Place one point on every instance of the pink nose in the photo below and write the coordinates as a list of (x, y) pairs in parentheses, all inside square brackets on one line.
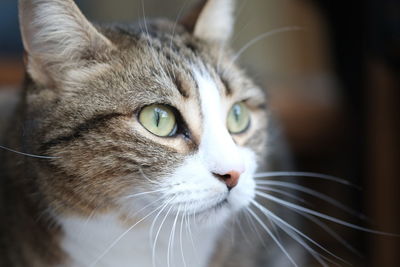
[(230, 178)]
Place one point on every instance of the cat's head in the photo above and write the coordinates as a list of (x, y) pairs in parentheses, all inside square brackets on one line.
[(142, 117)]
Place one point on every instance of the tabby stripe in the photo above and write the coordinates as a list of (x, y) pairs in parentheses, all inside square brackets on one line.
[(182, 90), (78, 131), (228, 90)]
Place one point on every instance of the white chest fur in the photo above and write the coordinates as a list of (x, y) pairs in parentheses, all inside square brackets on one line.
[(105, 242)]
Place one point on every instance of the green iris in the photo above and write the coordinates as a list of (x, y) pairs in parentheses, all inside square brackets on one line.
[(159, 120), (238, 118)]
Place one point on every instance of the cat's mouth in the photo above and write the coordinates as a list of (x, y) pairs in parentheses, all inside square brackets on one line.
[(214, 208)]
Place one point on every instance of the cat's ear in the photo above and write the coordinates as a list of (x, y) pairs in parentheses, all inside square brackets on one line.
[(57, 38), (211, 20)]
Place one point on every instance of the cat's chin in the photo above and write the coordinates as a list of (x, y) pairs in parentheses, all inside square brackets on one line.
[(222, 211), (238, 199), (213, 216)]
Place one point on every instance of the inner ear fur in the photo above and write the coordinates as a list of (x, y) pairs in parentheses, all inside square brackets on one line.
[(57, 37), (211, 20), (189, 21)]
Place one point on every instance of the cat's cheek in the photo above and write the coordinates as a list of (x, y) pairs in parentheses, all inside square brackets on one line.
[(241, 196), (192, 183)]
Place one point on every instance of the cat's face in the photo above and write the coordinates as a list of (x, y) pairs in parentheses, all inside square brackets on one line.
[(153, 117)]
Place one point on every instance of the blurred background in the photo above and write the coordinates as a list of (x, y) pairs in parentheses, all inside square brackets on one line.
[(334, 86)]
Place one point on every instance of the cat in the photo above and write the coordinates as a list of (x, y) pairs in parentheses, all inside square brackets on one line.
[(140, 145)]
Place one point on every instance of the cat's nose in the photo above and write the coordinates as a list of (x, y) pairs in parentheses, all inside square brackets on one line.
[(230, 178)]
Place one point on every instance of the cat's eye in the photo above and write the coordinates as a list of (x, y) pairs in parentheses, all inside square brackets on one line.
[(159, 120), (238, 120)]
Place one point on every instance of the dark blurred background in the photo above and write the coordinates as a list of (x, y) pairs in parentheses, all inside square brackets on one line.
[(334, 86)]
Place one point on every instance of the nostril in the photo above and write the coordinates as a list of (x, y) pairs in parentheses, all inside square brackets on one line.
[(231, 178)]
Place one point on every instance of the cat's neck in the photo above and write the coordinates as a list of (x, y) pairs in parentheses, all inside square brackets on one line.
[(30, 235), (105, 241)]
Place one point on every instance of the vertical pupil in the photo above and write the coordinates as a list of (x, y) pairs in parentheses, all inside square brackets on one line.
[(157, 116), (236, 112)]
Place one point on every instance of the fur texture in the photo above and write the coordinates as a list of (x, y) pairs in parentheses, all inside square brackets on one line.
[(107, 175)]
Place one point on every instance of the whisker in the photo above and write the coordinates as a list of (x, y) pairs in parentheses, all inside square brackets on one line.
[(279, 221), (250, 220), (146, 206), (236, 34), (272, 236), (329, 230), (153, 225), (157, 234), (242, 231), (305, 175), (194, 216), (147, 178), (323, 216), (263, 36), (155, 220), (144, 193), (178, 17), (153, 51), (314, 193), (189, 229), (120, 237), (172, 237), (88, 219), (284, 193), (316, 255), (180, 237), (27, 154)]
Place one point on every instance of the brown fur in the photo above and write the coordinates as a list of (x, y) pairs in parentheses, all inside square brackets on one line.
[(83, 112)]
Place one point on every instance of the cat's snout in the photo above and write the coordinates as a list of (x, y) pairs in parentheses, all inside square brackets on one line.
[(230, 178)]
